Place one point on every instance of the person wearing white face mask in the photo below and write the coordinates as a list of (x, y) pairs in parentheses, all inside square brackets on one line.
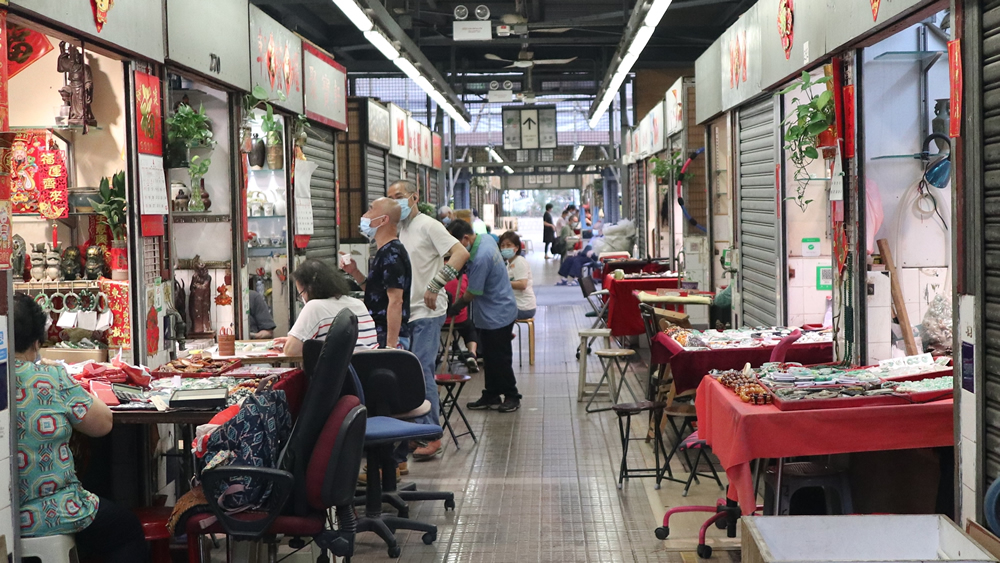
[(520, 275), (387, 287)]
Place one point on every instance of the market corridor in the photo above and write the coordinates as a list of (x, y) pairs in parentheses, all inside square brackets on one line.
[(541, 483)]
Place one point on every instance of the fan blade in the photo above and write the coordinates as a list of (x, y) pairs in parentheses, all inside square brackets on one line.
[(554, 61), (492, 57), (521, 64), (552, 30)]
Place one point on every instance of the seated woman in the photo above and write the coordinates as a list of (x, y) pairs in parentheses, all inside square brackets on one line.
[(464, 328), (52, 405), (324, 292), (519, 273)]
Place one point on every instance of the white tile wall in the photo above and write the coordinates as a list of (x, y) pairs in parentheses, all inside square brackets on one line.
[(806, 304), (879, 317)]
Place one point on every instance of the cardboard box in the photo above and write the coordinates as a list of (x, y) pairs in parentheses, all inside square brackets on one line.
[(673, 317), (856, 539), (71, 356)]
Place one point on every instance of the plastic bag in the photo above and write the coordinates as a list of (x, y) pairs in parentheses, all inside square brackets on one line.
[(937, 325)]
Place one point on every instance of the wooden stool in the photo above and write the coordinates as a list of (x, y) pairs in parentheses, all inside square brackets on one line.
[(612, 357), (50, 549), (531, 341), (586, 335)]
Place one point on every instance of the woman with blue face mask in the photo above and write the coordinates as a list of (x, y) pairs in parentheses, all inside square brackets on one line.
[(520, 274)]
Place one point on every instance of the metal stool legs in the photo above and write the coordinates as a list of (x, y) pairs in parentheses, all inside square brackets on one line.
[(625, 433), (449, 404), (609, 376)]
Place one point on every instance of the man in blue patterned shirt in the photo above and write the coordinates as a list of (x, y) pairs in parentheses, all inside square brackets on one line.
[(387, 288)]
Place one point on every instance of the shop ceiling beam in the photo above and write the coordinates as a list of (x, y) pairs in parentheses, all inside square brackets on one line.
[(565, 41), (537, 164), (408, 47)]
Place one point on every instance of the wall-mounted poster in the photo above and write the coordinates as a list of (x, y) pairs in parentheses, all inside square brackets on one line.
[(426, 157), (413, 140), (655, 128), (147, 108), (674, 107), (276, 60), (397, 119), (436, 155), (326, 88), (379, 128)]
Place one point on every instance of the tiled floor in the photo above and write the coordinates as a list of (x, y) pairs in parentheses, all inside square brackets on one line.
[(541, 483)]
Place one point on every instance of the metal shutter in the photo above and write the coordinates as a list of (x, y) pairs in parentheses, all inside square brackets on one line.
[(758, 225), (392, 172), (640, 191), (376, 184), (435, 185), (320, 149), (990, 217), (411, 175)]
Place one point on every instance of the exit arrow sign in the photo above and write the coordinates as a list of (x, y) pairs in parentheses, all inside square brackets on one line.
[(529, 123), (529, 129)]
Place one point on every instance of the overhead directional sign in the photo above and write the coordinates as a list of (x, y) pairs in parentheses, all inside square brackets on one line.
[(529, 127)]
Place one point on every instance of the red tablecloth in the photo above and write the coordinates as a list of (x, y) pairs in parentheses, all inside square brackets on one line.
[(690, 366), (634, 267), (623, 308), (740, 433)]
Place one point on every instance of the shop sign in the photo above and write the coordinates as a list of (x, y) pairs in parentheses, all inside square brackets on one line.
[(147, 108), (25, 46), (741, 60), (378, 125), (412, 139), (216, 43), (397, 119), (134, 25), (674, 107), (275, 61), (326, 88), (786, 26), (955, 84), (436, 151), (426, 157), (651, 132), (529, 127)]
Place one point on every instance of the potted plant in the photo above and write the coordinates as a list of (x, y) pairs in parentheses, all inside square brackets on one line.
[(273, 140), (255, 99), (665, 169), (807, 130), (113, 209), (187, 129), (300, 135), (197, 169)]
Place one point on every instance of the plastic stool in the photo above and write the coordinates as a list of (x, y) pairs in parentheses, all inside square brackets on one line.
[(802, 475), (50, 549), (587, 335), (154, 527), (531, 341)]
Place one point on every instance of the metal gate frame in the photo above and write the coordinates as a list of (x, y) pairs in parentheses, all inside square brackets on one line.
[(780, 252)]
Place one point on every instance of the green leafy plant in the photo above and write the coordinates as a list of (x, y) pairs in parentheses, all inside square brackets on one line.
[(256, 98), (665, 169), (198, 167), (271, 126), (814, 114), (113, 206), (427, 209), (187, 128)]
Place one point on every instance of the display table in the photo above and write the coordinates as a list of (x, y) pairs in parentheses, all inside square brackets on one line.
[(739, 433), (688, 367), (253, 358), (634, 267), (624, 318), (680, 297)]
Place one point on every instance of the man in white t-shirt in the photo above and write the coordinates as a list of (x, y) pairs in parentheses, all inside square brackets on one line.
[(427, 242)]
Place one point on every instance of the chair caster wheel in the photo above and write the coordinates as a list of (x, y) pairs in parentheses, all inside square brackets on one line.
[(323, 559), (704, 551), (722, 524), (663, 533), (449, 504), (395, 551), (429, 538)]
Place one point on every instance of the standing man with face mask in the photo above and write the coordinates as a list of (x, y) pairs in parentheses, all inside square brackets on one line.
[(427, 242), (387, 287)]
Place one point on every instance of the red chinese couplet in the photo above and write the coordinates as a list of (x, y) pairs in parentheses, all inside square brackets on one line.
[(152, 226), (849, 121), (955, 83), (149, 112), (6, 232), (25, 47)]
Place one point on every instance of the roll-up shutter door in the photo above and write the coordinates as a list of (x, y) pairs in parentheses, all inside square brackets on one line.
[(990, 213), (435, 184), (392, 172), (411, 175), (375, 160), (320, 149), (639, 192), (759, 226)]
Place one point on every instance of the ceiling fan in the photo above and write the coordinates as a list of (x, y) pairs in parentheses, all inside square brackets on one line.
[(525, 59)]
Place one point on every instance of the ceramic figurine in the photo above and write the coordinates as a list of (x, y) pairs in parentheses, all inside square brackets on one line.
[(200, 300), (95, 263), (258, 153), (52, 262), (79, 89), (72, 268), (38, 262), (18, 258)]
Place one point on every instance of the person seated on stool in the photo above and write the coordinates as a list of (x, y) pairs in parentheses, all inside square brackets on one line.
[(493, 314), (261, 322), (519, 273), (463, 324), (52, 405)]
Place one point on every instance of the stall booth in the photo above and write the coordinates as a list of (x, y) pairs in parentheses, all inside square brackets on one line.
[(363, 155), (649, 144), (399, 146), (268, 250), (316, 224), (202, 160)]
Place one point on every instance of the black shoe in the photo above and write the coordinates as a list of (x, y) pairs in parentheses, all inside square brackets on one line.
[(510, 404), (484, 402), (471, 364)]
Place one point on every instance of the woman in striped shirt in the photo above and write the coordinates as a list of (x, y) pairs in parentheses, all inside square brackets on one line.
[(324, 292)]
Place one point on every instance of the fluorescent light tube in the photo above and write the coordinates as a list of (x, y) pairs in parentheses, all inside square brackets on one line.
[(381, 43), (407, 67), (354, 13), (642, 37), (508, 169), (655, 13)]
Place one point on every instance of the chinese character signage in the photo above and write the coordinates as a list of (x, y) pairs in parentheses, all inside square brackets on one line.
[(38, 176), (436, 155), (426, 158), (741, 60), (412, 139), (25, 47), (326, 88), (276, 60), (674, 108), (379, 128), (397, 120), (147, 102)]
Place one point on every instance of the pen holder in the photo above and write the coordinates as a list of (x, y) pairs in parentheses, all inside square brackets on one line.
[(227, 344)]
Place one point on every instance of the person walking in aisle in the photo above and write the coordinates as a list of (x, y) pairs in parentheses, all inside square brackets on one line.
[(387, 287), (548, 230), (427, 242), (494, 311)]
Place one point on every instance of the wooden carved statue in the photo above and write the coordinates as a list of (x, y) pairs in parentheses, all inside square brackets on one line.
[(79, 89), (200, 299)]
